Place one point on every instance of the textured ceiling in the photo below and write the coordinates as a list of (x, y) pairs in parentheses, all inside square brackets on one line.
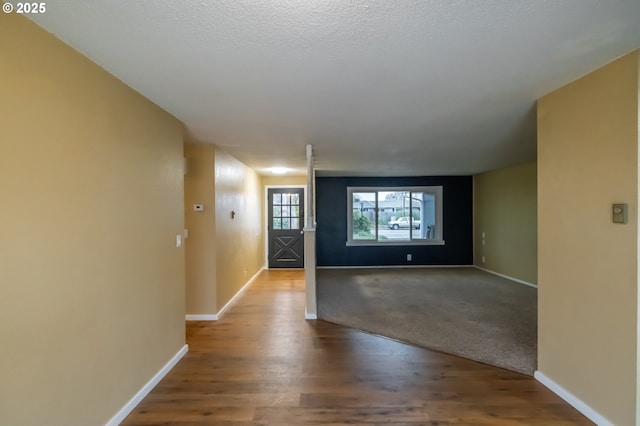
[(377, 87)]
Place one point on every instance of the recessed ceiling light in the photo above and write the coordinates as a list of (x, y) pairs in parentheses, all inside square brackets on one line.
[(278, 170)]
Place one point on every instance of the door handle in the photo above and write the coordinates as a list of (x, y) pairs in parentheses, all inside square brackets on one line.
[(301, 232)]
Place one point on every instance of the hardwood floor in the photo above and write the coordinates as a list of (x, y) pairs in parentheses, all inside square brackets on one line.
[(263, 364)]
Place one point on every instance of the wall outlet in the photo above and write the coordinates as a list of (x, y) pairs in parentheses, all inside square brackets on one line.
[(408, 258)]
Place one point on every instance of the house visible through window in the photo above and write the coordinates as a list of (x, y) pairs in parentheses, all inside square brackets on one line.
[(388, 216)]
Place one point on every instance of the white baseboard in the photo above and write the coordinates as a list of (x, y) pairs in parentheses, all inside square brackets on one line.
[(142, 393), (574, 401), (507, 277), (239, 293), (310, 316), (216, 317), (207, 317)]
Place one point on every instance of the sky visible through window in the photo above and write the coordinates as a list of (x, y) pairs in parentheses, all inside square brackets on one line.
[(371, 196)]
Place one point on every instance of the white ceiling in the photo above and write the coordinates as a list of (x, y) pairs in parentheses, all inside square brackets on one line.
[(424, 87)]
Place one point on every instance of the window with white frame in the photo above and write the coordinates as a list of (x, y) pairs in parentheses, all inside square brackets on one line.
[(394, 216)]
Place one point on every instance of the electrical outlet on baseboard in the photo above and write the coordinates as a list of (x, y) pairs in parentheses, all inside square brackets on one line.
[(408, 257)]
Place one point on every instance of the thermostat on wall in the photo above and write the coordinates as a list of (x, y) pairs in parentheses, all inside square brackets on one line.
[(198, 207)]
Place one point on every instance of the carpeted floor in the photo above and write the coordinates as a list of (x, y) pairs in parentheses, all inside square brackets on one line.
[(461, 311)]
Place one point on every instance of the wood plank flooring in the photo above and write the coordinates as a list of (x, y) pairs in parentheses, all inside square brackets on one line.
[(263, 364)]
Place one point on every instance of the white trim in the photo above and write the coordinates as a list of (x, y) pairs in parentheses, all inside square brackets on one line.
[(574, 401), (435, 190), (309, 212), (507, 277), (216, 317), (208, 317), (310, 316), (142, 393), (393, 266), (382, 243), (239, 293)]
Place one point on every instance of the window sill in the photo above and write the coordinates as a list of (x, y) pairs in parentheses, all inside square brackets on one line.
[(395, 243)]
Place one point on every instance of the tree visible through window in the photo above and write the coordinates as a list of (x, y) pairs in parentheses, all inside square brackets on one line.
[(409, 215)]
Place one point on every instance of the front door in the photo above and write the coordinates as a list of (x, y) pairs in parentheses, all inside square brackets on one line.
[(285, 236)]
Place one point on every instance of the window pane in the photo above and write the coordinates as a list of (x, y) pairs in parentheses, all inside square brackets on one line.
[(286, 223), (394, 220), (286, 211), (295, 211), (295, 198), (286, 198), (277, 198), (423, 207), (277, 223), (277, 211), (295, 223), (428, 224), (363, 228), (364, 216), (416, 214)]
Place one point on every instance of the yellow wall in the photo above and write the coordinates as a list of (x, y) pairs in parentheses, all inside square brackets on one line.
[(638, 272), (222, 253), (92, 284), (239, 240), (200, 247), (284, 180), (588, 275), (505, 206)]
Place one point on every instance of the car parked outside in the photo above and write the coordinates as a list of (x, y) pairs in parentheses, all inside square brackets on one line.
[(403, 223)]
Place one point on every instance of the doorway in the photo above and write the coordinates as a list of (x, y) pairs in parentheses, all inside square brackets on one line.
[(285, 223)]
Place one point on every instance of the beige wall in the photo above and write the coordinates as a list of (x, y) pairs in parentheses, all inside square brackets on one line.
[(222, 253), (239, 249), (638, 253), (200, 247), (92, 284), (505, 206), (588, 275), (284, 180)]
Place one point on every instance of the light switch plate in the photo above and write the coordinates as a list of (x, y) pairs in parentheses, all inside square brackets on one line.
[(619, 212)]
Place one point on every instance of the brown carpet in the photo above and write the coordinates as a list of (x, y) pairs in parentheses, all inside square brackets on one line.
[(461, 311)]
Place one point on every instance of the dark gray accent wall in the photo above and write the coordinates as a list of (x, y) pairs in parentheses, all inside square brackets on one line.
[(331, 216)]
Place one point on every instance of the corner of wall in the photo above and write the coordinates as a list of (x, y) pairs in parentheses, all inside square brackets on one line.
[(505, 222), (200, 246)]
